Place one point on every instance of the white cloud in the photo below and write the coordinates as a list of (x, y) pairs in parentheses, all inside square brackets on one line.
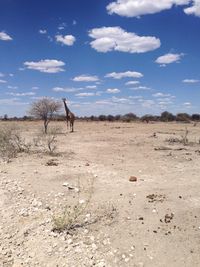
[(47, 65), (85, 78), (187, 104), (2, 75), (169, 58), (12, 87), (67, 90), (22, 94), (62, 26), (126, 74), (190, 81), (91, 86), (43, 31), (116, 39), (141, 88), (3, 81), (161, 95), (147, 103), (85, 94), (136, 97), (136, 8), (120, 100), (74, 22), (12, 102), (65, 39), (132, 83), (113, 91), (194, 9), (35, 88), (5, 37)]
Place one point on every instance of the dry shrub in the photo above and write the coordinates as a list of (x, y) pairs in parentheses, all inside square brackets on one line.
[(80, 214), (11, 142), (73, 215), (47, 142), (182, 140)]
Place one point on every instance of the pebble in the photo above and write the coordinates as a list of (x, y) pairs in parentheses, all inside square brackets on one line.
[(69, 241), (133, 179), (94, 246)]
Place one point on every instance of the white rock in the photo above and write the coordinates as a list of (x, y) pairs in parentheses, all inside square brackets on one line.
[(92, 238), (69, 241), (94, 246)]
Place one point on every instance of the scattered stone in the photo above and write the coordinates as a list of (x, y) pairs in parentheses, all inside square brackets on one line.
[(51, 162), (169, 217), (69, 241), (133, 179), (94, 246), (155, 198), (66, 184), (81, 201)]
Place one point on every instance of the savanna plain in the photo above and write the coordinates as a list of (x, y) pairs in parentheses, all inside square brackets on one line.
[(109, 194)]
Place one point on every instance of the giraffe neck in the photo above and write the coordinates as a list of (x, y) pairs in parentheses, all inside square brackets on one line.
[(66, 108)]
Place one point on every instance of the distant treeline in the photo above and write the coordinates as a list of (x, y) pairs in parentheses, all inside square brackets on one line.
[(129, 117)]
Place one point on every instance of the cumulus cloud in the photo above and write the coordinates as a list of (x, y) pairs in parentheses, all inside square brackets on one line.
[(147, 103), (136, 8), (113, 91), (169, 58), (86, 78), (62, 26), (116, 39), (65, 39), (187, 104), (126, 74), (190, 81), (120, 100), (194, 9), (91, 86), (5, 37), (161, 95), (12, 102), (141, 88), (12, 87), (3, 81), (43, 31), (132, 83), (67, 90), (47, 65), (22, 94), (85, 94), (2, 75)]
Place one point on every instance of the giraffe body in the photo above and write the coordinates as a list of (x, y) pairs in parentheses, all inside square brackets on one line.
[(70, 117)]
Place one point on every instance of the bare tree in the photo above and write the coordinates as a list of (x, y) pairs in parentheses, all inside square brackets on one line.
[(45, 109)]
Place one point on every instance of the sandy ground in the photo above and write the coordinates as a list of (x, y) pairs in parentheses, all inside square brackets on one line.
[(154, 221)]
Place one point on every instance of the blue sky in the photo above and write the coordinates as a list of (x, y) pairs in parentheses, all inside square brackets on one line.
[(105, 57)]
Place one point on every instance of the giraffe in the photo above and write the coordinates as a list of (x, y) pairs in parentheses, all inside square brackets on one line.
[(69, 115)]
